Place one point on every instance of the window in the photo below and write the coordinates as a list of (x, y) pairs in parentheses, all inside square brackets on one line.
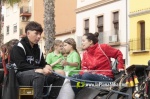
[(86, 26), (15, 28), (116, 16), (7, 29), (116, 23), (142, 35), (100, 23)]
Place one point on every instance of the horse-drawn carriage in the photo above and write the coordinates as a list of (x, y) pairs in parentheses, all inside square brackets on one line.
[(135, 80)]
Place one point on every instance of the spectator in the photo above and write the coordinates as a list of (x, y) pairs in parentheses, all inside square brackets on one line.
[(54, 58), (96, 65), (32, 68), (72, 63), (71, 66)]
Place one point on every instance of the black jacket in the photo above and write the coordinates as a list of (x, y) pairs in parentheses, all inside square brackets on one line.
[(26, 57)]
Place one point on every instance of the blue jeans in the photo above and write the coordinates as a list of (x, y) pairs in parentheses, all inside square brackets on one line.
[(37, 80), (90, 77)]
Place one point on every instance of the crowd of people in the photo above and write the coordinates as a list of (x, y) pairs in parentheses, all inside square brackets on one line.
[(35, 70)]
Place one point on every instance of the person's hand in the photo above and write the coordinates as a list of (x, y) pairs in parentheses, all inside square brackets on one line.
[(120, 70), (39, 71), (64, 62), (47, 69), (85, 71), (59, 60)]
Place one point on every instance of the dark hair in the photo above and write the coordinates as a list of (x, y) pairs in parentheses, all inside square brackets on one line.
[(93, 37), (7, 47), (11, 43), (4, 48), (33, 26)]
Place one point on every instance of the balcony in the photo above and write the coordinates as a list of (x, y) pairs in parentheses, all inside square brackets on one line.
[(110, 37), (25, 11), (138, 46)]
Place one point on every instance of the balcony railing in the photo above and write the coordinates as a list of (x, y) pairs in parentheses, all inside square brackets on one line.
[(25, 11), (136, 45)]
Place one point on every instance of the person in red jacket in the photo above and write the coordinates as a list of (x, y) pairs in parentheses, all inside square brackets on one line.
[(96, 57), (96, 64)]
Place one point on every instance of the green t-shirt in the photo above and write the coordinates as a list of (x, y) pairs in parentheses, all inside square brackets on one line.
[(52, 57), (72, 58)]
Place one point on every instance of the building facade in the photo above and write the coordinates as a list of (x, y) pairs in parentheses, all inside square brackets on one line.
[(65, 19), (108, 17), (2, 30), (139, 31), (17, 16)]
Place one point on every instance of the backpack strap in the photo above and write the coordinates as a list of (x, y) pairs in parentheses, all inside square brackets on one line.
[(104, 54)]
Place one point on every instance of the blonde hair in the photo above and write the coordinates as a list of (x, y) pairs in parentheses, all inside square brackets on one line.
[(56, 43)]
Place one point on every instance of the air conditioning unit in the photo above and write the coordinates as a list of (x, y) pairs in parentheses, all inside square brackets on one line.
[(24, 19), (112, 38)]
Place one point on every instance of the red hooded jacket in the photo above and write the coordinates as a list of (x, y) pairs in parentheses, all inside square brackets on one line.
[(94, 59)]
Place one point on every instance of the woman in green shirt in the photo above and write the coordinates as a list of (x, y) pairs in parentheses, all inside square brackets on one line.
[(72, 62)]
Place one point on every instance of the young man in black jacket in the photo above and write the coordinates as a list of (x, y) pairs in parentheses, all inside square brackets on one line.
[(32, 68)]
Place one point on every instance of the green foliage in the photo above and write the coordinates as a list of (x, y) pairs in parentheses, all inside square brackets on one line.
[(11, 2)]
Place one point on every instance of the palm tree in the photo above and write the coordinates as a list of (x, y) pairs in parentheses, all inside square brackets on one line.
[(11, 2), (49, 24)]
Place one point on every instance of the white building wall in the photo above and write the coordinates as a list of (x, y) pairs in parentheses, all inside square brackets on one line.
[(81, 3), (11, 17), (31, 5), (107, 11)]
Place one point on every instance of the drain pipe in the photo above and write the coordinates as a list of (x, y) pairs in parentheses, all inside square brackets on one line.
[(127, 45)]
